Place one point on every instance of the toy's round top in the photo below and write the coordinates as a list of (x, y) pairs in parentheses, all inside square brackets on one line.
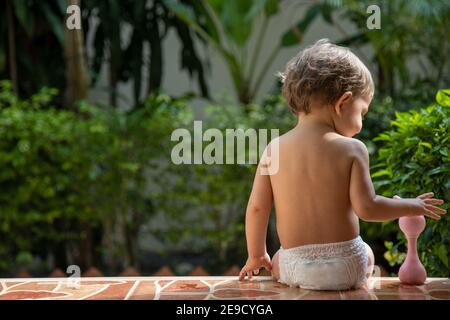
[(412, 226)]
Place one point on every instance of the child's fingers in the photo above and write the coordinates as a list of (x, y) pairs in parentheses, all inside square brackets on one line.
[(267, 265), (255, 272), (436, 209), (396, 197), (242, 273), (432, 215), (433, 201), (426, 195)]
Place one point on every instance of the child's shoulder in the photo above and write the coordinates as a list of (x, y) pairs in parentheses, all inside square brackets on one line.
[(353, 147), (348, 146)]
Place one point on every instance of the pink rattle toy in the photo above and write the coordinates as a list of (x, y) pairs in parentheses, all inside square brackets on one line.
[(412, 271)]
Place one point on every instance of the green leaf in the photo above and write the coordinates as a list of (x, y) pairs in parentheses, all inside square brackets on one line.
[(271, 7), (182, 10), (426, 144), (257, 7), (22, 13), (384, 172), (62, 6), (209, 23), (233, 18), (327, 11), (443, 97), (443, 254), (56, 23), (437, 170)]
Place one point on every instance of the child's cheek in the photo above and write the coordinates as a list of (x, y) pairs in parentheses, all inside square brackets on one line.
[(355, 125), (358, 125)]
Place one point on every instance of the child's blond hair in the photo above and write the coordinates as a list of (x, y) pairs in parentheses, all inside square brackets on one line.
[(325, 71)]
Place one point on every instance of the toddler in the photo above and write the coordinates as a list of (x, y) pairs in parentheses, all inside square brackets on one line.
[(322, 184)]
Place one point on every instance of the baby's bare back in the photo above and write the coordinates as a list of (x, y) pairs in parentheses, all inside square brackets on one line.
[(311, 188)]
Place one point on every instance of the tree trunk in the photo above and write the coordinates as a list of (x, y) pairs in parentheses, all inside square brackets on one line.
[(77, 80), (12, 47), (86, 246), (112, 84)]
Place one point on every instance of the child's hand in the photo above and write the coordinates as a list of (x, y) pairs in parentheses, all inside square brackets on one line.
[(253, 264), (424, 205)]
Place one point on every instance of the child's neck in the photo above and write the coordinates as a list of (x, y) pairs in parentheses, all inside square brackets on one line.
[(316, 119)]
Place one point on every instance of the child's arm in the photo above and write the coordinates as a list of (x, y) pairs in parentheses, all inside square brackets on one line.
[(256, 223), (371, 207)]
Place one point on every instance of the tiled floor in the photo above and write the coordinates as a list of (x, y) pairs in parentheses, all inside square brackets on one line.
[(193, 288)]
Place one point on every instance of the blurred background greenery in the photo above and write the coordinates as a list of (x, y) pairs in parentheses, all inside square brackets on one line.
[(91, 182)]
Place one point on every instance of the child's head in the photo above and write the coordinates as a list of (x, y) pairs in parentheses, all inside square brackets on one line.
[(331, 76)]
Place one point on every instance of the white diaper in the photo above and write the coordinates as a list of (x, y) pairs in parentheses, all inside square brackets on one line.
[(329, 266)]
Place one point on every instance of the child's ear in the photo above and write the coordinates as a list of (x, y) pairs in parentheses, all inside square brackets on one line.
[(346, 97)]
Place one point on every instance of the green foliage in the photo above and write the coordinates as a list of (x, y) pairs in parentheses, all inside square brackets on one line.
[(413, 159), (393, 256), (38, 38), (61, 171), (410, 31)]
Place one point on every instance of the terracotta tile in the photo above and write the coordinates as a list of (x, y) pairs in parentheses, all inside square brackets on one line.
[(242, 293), (183, 297), (163, 283), (79, 293), (359, 294), (437, 284), (187, 286), (224, 288), (386, 286), (292, 294), (113, 292), (102, 282), (406, 290), (246, 284), (272, 284), (382, 296), (322, 295), (439, 294), (10, 283), (19, 295), (214, 282), (145, 290), (45, 286)]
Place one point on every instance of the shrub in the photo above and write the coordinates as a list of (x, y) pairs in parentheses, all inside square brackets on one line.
[(69, 178), (413, 159)]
